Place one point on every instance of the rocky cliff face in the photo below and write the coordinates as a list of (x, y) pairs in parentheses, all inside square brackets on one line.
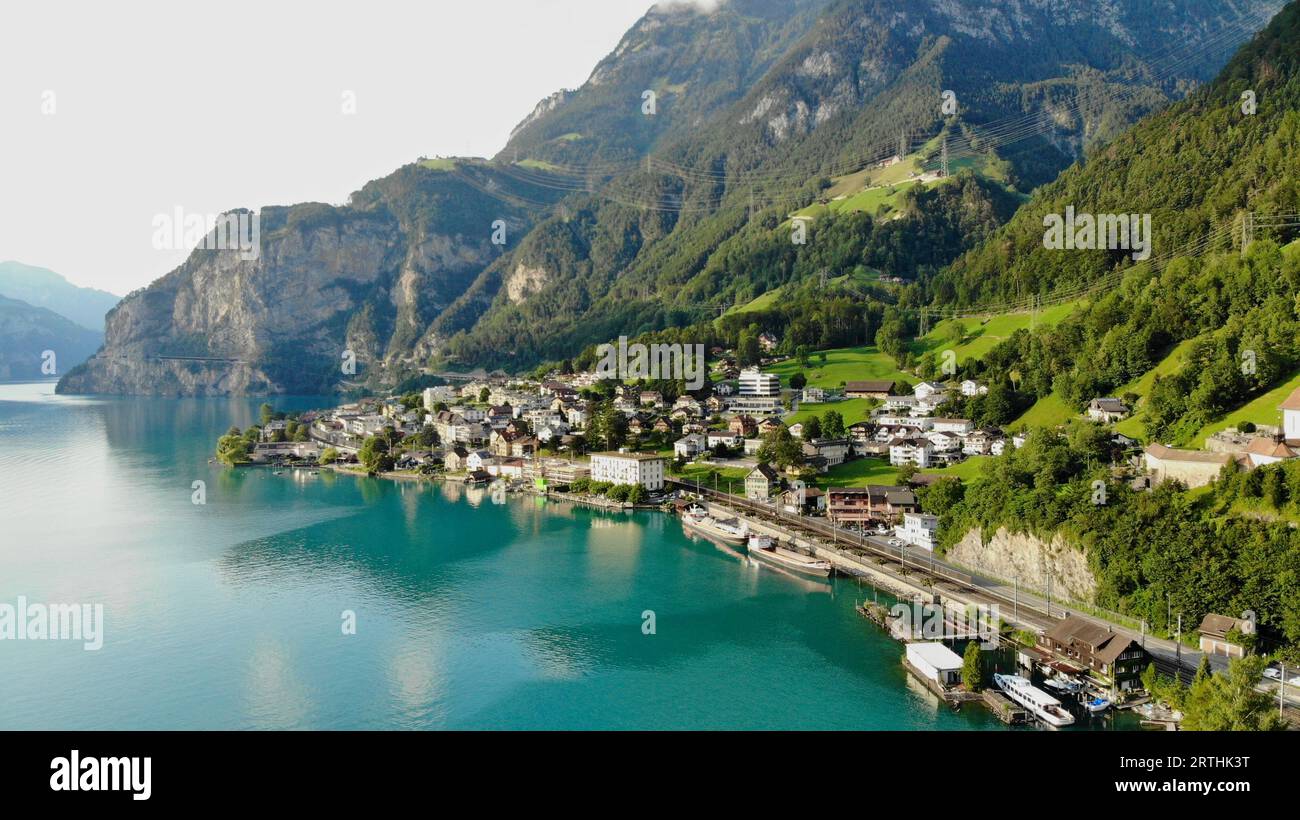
[(1031, 560), (330, 284)]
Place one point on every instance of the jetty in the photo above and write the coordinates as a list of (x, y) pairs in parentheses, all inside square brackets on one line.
[(1003, 709)]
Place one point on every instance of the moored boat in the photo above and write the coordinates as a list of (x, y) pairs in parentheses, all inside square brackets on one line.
[(1064, 685), (1039, 704), (764, 548), (1097, 705), (730, 531)]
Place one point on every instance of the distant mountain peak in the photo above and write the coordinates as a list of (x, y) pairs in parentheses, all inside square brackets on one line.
[(42, 287)]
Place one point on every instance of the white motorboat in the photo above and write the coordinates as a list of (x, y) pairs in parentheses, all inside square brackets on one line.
[(730, 531), (1096, 706), (1038, 703), (764, 548)]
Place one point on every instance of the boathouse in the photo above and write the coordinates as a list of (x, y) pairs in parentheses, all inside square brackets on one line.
[(936, 662)]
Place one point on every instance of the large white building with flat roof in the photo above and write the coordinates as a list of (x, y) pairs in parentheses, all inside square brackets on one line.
[(936, 662), (646, 469), (919, 530), (754, 382)]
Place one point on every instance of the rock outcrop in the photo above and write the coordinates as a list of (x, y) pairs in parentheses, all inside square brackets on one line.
[(1010, 556), (329, 284)]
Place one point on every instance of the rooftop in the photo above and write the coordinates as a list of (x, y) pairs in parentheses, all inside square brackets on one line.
[(936, 655), (631, 456)]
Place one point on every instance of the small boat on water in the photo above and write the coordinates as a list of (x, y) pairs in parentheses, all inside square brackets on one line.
[(1039, 704), (1096, 706), (729, 531), (1064, 685), (764, 548)]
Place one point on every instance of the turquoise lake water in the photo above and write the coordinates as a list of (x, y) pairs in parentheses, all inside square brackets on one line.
[(469, 615)]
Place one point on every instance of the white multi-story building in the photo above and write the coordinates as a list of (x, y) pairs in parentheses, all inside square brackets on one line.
[(453, 428), (754, 382), (959, 426), (925, 390), (896, 420), (919, 530), (473, 414), (577, 415), (646, 469), (443, 393), (726, 438), (945, 442), (910, 451), (691, 446)]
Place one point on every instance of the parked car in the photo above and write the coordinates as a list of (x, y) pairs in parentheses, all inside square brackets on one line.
[(1273, 673)]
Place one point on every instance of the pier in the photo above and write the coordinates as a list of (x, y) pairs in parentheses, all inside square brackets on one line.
[(1003, 709)]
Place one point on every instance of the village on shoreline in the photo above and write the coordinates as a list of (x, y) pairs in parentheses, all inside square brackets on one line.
[(638, 445)]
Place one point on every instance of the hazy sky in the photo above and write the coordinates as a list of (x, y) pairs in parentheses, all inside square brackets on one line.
[(211, 106)]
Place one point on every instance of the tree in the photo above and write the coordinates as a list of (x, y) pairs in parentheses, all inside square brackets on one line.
[(1202, 670), (375, 456), (942, 495), (972, 676), (483, 395), (832, 424), (619, 492), (748, 350), (266, 412), (1230, 702), (233, 448), (781, 449), (956, 332), (329, 456), (797, 381), (1150, 678), (812, 429)]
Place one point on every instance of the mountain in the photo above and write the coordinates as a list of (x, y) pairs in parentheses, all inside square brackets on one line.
[(1196, 167), (1197, 331), (28, 334), (47, 289), (620, 220), (1223, 325)]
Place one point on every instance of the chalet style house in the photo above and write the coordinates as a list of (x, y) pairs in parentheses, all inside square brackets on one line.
[(1108, 655)]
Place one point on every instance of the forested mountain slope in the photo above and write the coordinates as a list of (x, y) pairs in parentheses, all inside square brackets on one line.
[(620, 221)]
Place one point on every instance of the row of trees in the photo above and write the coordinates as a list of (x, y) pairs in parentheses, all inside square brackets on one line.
[(1228, 702), (631, 493)]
